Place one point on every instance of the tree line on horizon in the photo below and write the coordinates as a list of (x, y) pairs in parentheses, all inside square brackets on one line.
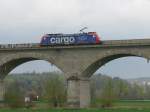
[(52, 89)]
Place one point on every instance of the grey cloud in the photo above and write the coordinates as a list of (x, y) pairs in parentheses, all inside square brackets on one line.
[(22, 20)]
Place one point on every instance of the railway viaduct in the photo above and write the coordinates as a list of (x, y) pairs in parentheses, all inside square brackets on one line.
[(78, 63)]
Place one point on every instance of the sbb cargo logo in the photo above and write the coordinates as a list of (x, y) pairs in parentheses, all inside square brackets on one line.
[(60, 40)]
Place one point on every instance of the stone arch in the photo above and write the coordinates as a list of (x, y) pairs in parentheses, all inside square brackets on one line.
[(8, 63), (91, 69)]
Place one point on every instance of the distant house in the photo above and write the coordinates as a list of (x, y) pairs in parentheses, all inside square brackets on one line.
[(31, 96), (27, 99)]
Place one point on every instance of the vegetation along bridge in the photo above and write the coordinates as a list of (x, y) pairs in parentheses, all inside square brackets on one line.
[(78, 63)]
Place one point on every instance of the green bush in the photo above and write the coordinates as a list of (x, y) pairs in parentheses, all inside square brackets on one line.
[(108, 96), (13, 96), (55, 91)]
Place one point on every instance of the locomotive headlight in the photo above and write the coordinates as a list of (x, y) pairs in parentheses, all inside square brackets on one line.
[(44, 38)]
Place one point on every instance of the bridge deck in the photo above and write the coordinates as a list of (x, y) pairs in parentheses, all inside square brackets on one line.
[(108, 43)]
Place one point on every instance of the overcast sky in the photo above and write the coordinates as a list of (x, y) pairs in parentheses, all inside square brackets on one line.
[(25, 21)]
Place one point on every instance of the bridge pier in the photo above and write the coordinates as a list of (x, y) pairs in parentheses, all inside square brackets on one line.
[(85, 97), (78, 93), (2, 90), (73, 99)]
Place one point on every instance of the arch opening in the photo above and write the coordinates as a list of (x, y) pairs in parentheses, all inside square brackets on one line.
[(129, 82), (36, 66), (34, 84), (10, 66), (100, 62)]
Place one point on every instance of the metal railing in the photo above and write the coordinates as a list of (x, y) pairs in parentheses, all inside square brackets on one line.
[(103, 44), (29, 45)]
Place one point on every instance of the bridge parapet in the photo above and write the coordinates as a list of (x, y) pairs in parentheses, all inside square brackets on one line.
[(106, 43), (126, 42)]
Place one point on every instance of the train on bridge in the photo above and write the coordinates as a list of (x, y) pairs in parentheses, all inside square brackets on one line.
[(70, 39), (89, 38)]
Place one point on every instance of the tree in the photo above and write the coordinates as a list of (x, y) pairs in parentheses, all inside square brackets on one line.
[(55, 90), (108, 95), (13, 96), (120, 88)]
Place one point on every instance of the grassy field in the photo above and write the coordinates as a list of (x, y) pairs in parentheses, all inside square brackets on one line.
[(120, 106), (82, 110), (133, 104)]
